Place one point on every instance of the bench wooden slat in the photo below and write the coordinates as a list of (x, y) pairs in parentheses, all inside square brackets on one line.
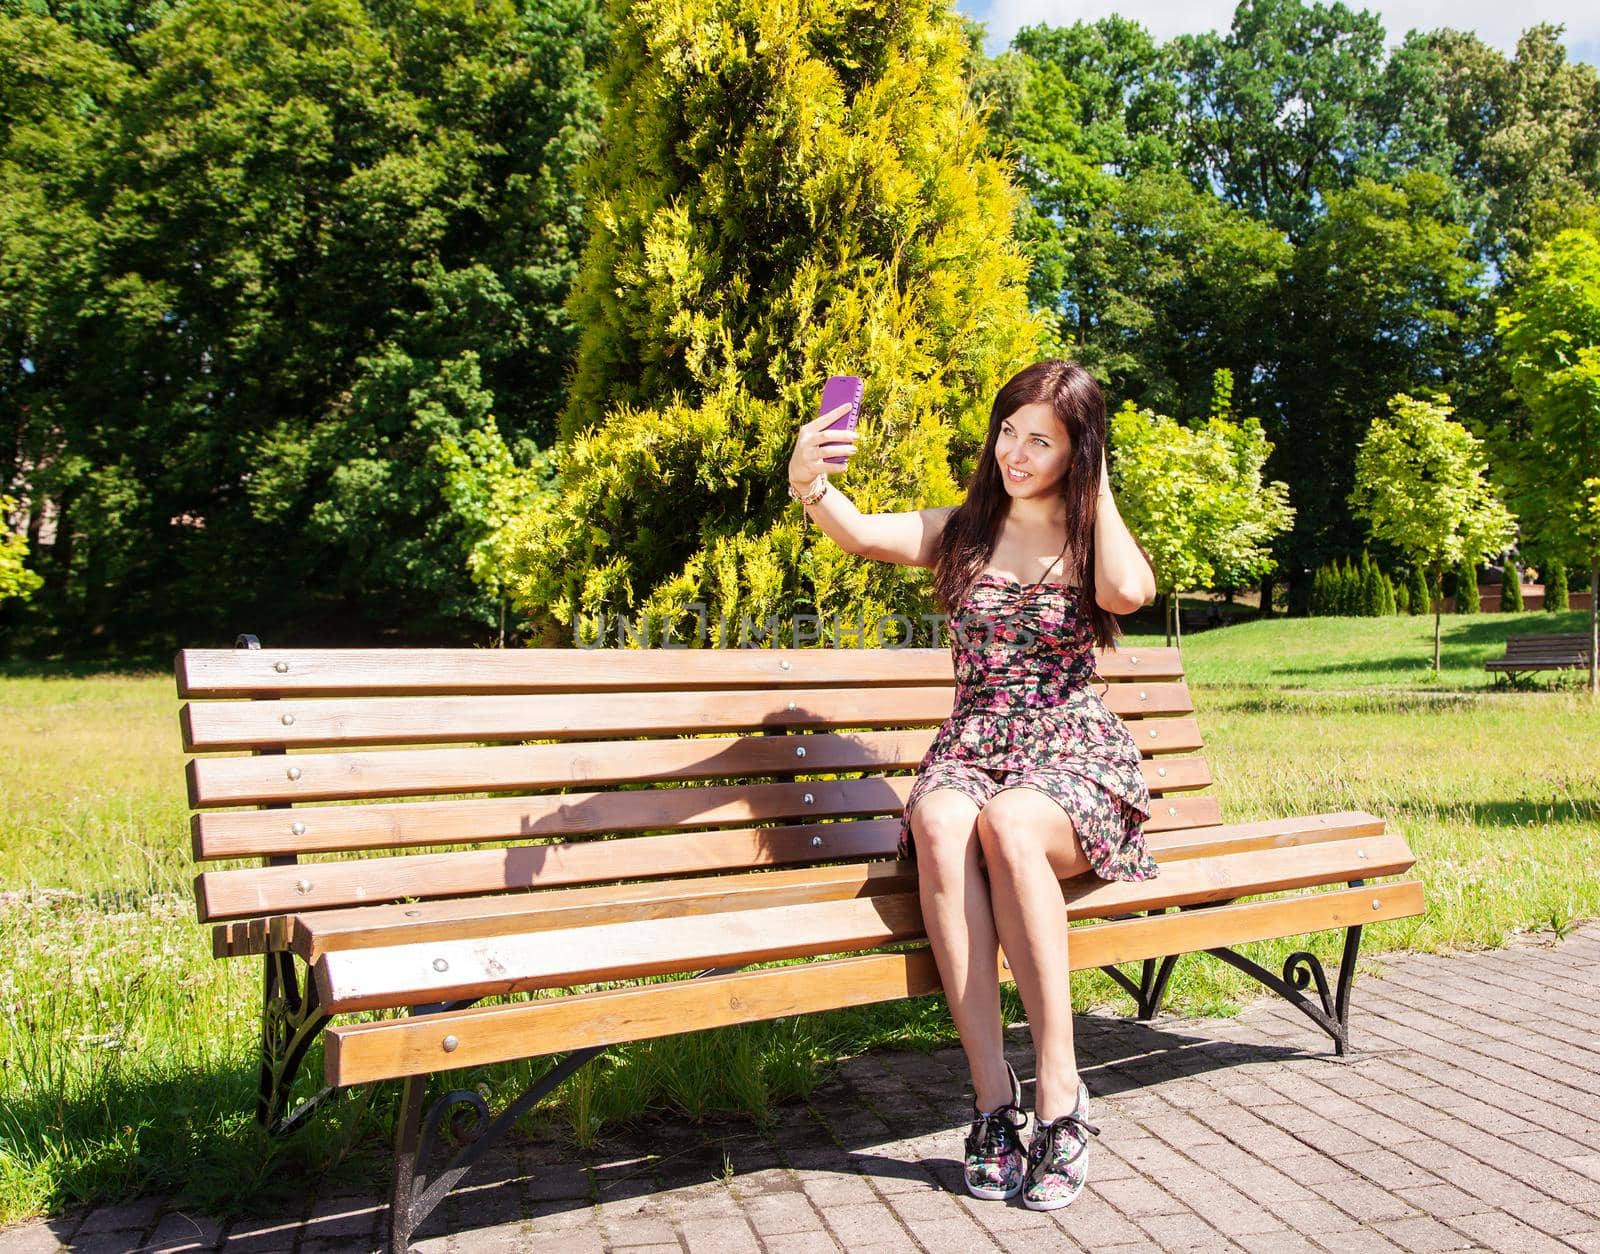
[(308, 777), (398, 975), (314, 934), (416, 720), (358, 1053), (318, 933), (1553, 651), (326, 672), (322, 885), (412, 824), (878, 838)]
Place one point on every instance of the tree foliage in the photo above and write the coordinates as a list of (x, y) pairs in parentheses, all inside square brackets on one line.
[(1196, 498), (308, 242), (1552, 338), (16, 580), (779, 194), (1422, 485)]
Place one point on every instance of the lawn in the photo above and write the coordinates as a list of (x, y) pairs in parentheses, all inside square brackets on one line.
[(126, 1057)]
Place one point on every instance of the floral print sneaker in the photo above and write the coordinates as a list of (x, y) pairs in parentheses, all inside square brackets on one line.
[(1058, 1157), (995, 1161)]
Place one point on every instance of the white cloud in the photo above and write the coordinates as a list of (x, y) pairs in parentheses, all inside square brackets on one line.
[(1496, 23)]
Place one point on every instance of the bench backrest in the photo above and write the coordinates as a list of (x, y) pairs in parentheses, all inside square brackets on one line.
[(425, 773), (1547, 642)]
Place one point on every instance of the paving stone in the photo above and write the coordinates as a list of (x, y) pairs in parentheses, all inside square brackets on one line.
[(731, 1234), (862, 1223), (1500, 1231), (1463, 1120), (817, 1242), (1183, 1232), (1556, 1218), (30, 1238), (1422, 1235), (774, 1214), (109, 1242), (182, 1233), (343, 1217), (1095, 1224), (137, 1215), (1139, 1196), (1442, 1201), (268, 1237), (953, 1234)]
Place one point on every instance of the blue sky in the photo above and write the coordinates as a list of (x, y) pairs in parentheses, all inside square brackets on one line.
[(1496, 22)]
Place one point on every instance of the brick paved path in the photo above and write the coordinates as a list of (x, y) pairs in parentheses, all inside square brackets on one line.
[(1469, 1118)]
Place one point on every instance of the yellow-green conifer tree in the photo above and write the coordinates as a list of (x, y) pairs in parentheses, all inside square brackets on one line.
[(781, 193)]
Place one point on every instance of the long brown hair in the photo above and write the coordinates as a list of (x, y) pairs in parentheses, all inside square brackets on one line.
[(968, 539)]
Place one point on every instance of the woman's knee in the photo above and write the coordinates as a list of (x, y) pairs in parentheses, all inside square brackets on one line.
[(943, 824), (1008, 836)]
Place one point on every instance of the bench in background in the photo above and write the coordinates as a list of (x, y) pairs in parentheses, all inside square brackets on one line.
[(1552, 651)]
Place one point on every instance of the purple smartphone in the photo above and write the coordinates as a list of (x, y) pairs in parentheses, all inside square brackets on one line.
[(835, 392)]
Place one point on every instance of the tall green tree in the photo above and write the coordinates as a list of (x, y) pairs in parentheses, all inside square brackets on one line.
[(1296, 100), (313, 241), (780, 194), (1551, 333), (1384, 297), (1522, 130), (1076, 108), (1422, 485)]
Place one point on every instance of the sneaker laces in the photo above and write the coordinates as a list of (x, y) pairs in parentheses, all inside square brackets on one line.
[(995, 1133), (1046, 1134)]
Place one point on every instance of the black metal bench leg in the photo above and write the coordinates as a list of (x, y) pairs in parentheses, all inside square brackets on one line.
[(291, 1021), (408, 1129), (1151, 989), (414, 1196), (1301, 971)]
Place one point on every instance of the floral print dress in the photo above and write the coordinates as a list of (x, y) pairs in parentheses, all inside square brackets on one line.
[(1026, 712)]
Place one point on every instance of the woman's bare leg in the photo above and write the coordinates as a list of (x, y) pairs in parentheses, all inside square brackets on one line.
[(955, 909), (1029, 844)]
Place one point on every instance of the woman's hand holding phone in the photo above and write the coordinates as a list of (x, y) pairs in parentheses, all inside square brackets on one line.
[(815, 445)]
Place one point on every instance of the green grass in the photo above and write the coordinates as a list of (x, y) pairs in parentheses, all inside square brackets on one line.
[(127, 1052), (1344, 654)]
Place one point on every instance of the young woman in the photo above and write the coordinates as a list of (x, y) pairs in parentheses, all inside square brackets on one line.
[(1031, 780)]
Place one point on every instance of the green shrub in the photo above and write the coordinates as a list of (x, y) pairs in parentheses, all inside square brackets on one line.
[(1511, 590), (1421, 601), (1555, 589), (1467, 589)]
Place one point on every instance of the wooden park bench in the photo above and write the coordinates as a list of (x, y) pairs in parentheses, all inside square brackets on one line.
[(1551, 651), (640, 813)]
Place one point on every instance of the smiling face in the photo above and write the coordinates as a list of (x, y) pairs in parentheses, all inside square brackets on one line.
[(1032, 441)]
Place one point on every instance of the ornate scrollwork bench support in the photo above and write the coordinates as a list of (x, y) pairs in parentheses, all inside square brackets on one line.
[(1301, 971), (414, 1195), (1331, 1011), (291, 1021)]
